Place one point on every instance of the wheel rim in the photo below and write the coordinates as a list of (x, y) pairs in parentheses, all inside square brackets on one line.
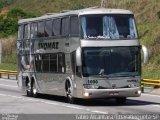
[(69, 93), (29, 90)]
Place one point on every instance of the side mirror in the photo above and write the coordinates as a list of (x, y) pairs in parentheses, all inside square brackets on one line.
[(78, 57), (145, 52)]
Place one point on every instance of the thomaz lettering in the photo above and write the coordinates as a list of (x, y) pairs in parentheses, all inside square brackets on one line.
[(49, 45)]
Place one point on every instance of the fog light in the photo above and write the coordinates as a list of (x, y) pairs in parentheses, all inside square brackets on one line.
[(138, 92), (86, 94)]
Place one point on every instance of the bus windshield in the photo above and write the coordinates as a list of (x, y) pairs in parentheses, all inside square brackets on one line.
[(111, 61), (108, 27)]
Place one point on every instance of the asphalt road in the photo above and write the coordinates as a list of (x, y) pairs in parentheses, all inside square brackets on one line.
[(14, 105)]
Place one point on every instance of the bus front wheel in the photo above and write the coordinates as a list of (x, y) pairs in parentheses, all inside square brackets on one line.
[(70, 98)]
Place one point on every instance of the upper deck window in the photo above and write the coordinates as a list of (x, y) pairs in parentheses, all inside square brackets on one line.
[(65, 26), (26, 31), (20, 32), (74, 26), (56, 27), (48, 28), (33, 30), (40, 32), (108, 27)]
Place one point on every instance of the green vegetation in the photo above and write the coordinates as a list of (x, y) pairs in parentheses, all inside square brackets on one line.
[(41, 7), (8, 23), (7, 66), (8, 26), (4, 3), (158, 14), (18, 13), (147, 14)]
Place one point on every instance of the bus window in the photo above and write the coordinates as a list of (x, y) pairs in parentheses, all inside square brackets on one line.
[(74, 25), (56, 27), (53, 63), (113, 27), (26, 46), (20, 32), (65, 26), (40, 32), (33, 30), (38, 63), (61, 63), (48, 28), (45, 62), (26, 31)]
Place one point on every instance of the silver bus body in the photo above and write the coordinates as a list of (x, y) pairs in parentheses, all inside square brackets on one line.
[(57, 63)]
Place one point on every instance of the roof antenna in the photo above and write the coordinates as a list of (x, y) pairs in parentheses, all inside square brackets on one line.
[(102, 3)]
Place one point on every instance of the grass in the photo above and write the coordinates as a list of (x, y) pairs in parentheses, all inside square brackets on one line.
[(50, 6), (150, 36), (7, 66)]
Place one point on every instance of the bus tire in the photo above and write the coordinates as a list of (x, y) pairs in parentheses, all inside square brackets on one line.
[(121, 100), (69, 88)]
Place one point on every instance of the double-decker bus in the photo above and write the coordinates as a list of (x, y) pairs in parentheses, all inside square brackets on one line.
[(88, 53)]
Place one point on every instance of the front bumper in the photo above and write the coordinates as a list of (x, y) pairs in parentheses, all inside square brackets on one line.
[(111, 93)]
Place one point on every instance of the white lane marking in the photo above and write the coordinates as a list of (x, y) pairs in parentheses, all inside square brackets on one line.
[(8, 80), (100, 112), (74, 107), (8, 85), (56, 104), (152, 105), (51, 103), (3, 95), (150, 95)]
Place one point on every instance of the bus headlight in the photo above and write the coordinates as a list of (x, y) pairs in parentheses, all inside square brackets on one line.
[(90, 86), (86, 94), (138, 92)]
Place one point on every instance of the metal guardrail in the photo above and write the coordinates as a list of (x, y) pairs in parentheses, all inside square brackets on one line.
[(150, 82), (8, 73), (143, 82)]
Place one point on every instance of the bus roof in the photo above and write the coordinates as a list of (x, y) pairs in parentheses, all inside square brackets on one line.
[(87, 11)]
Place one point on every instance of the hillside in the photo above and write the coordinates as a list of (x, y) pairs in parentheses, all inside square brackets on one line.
[(147, 14)]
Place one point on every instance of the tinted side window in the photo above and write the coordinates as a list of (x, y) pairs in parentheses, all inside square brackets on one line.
[(26, 31), (38, 63), (65, 26), (40, 29), (48, 28), (53, 62), (61, 63), (50, 62), (45, 62), (33, 30), (20, 32), (74, 25), (56, 27)]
